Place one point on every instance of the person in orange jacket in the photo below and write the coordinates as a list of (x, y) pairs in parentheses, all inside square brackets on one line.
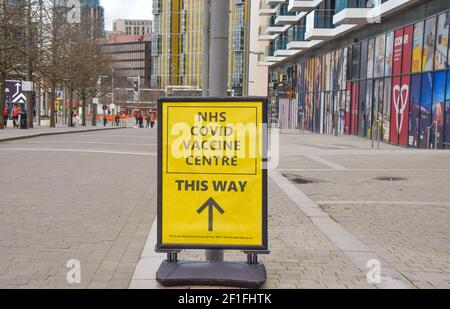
[(5, 115), (15, 116)]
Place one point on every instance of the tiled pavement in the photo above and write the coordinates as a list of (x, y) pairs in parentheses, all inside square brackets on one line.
[(99, 208)]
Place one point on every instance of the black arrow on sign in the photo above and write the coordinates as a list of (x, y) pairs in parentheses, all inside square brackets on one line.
[(211, 204)]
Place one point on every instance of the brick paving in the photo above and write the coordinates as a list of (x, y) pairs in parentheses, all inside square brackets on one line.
[(99, 208), (85, 206)]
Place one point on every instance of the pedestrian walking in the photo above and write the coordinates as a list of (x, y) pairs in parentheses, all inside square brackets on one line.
[(148, 120), (117, 120), (136, 116), (23, 119), (152, 121), (141, 121), (15, 116), (5, 115), (105, 120)]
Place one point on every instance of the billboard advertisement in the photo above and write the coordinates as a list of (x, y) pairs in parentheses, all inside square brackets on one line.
[(15, 95)]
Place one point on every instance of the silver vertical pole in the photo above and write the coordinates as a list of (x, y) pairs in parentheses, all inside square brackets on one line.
[(218, 58), (218, 69), (206, 38)]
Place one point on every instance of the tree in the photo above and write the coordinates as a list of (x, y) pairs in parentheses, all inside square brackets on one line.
[(12, 42), (87, 63)]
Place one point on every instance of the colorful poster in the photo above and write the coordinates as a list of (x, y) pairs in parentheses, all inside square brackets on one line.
[(414, 111), (425, 109), (387, 109), (407, 49), (362, 128), (389, 53), (377, 109), (370, 58), (447, 114), (398, 107), (398, 49), (403, 107), (356, 57), (355, 107), (440, 58), (348, 108), (417, 48), (437, 130), (368, 109), (429, 44), (343, 72), (380, 49)]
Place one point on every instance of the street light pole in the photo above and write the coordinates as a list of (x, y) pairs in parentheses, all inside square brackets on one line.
[(206, 38), (218, 69)]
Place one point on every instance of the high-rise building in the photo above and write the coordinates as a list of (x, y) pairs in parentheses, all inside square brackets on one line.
[(178, 43), (88, 15), (130, 57), (132, 26), (377, 69)]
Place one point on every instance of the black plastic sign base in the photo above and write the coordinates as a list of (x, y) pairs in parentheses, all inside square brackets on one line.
[(231, 274)]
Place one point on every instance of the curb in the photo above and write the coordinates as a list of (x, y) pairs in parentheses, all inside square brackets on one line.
[(14, 138)]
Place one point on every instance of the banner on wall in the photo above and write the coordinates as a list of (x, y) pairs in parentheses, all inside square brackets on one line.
[(417, 47), (348, 102), (401, 86), (354, 109)]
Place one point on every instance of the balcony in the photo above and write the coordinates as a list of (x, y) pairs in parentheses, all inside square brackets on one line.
[(363, 12), (266, 9), (320, 26), (273, 28), (282, 43), (386, 8), (352, 12), (303, 6), (284, 17), (269, 55), (275, 2), (265, 35)]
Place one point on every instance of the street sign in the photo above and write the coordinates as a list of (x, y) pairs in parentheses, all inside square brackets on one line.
[(212, 185), (27, 86)]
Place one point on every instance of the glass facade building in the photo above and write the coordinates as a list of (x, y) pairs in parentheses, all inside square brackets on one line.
[(177, 47), (391, 85)]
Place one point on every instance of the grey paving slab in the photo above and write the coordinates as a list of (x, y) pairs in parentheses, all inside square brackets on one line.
[(93, 207)]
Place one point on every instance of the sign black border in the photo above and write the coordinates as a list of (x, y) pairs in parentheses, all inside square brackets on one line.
[(168, 247)]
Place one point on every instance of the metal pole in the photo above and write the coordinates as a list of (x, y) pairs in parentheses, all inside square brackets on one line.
[(218, 69), (206, 38), (218, 58)]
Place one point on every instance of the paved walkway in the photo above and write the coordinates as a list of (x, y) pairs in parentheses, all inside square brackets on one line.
[(335, 209), (75, 196), (10, 134)]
